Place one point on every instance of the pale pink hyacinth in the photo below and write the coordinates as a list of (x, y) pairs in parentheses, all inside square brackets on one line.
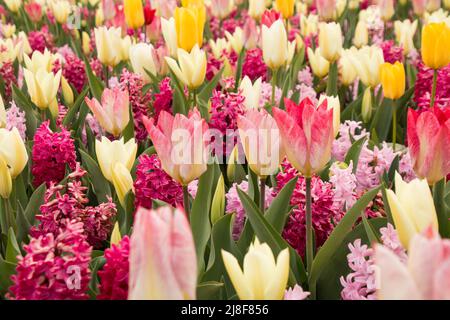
[(344, 185), (296, 293), (307, 92), (305, 77), (15, 118), (266, 94)]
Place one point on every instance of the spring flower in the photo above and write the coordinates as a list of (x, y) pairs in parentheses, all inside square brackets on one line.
[(66, 91), (347, 71), (319, 65), (436, 45), (2, 113), (181, 144), (34, 11), (13, 151), (254, 66), (263, 277), (169, 33), (61, 10), (277, 50), (5, 179), (286, 7), (423, 277), (134, 13), (73, 71), (221, 8), (251, 92), (111, 47), (189, 23), (42, 87), (392, 78), (367, 63), (326, 9), (428, 140), (333, 104), (236, 40), (412, 208), (361, 37), (296, 293), (163, 264), (256, 8), (13, 5), (191, 67), (404, 34), (419, 6), (113, 113), (141, 58), (330, 40), (122, 181), (307, 134)]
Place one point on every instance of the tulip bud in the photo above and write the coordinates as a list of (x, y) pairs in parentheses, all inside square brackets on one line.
[(221, 8), (39, 60), (99, 17), (218, 202), (13, 151), (191, 68), (232, 161), (42, 87), (141, 58), (330, 40), (392, 78), (286, 7), (122, 181), (361, 37), (436, 45), (404, 34), (277, 50), (134, 13), (67, 91), (116, 237), (189, 23), (61, 9), (366, 108), (386, 9), (2, 113), (256, 8), (367, 61), (319, 65), (86, 43), (236, 39), (333, 104), (111, 47), (170, 35), (5, 180), (346, 69), (251, 92)]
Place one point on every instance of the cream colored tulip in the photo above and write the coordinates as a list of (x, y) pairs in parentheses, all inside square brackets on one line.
[(277, 50), (109, 153), (141, 58), (309, 24), (236, 39), (169, 33), (99, 17), (24, 45), (347, 71), (2, 113), (404, 34), (110, 47), (366, 107), (330, 40), (86, 43), (412, 208), (8, 30), (361, 37), (61, 9), (10, 50), (221, 8), (66, 91), (256, 8), (42, 87), (13, 5), (122, 181), (262, 278), (191, 67), (334, 104), (367, 63), (319, 65), (5, 180), (13, 151), (218, 46), (251, 92), (39, 60)]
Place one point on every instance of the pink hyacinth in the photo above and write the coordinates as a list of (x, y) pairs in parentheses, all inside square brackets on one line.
[(52, 152), (347, 131), (344, 185), (423, 85), (266, 94), (163, 99), (296, 293), (153, 183), (391, 52), (73, 71), (114, 274), (254, 66), (15, 118), (8, 76), (305, 77), (41, 39), (54, 267)]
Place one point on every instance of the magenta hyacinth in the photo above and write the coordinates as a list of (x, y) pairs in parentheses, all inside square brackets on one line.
[(73, 71), (163, 99), (391, 52), (52, 152), (254, 66), (114, 274), (422, 89), (54, 267), (8, 75)]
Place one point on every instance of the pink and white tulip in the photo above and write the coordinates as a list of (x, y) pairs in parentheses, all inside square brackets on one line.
[(163, 263)]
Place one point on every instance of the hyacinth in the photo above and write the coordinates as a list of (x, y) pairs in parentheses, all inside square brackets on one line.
[(66, 203), (344, 185), (254, 66), (52, 152), (15, 118), (296, 293), (40, 39), (325, 210), (229, 24), (8, 77), (360, 283), (114, 274), (391, 52), (348, 130), (424, 83), (306, 92), (266, 95), (73, 71), (54, 267), (305, 77), (163, 99), (139, 101), (212, 67), (153, 183), (234, 205)]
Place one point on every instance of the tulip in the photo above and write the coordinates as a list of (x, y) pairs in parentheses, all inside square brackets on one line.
[(423, 277), (218, 202), (256, 8), (412, 208), (436, 45), (116, 237), (141, 57), (419, 7), (277, 50), (134, 13), (2, 113), (13, 5), (319, 65), (218, 47), (189, 23), (8, 30), (34, 11), (165, 8), (261, 140), (109, 153), (429, 140), (42, 87), (404, 34), (269, 17), (149, 13), (39, 60), (367, 63), (330, 40), (361, 37), (251, 35), (262, 278), (286, 7), (251, 92), (25, 48), (86, 43), (346, 69), (433, 5), (191, 67), (11, 50), (386, 9), (61, 9), (99, 17), (122, 181), (326, 9), (236, 40), (221, 8), (309, 25), (181, 144), (67, 91), (163, 263), (333, 104), (113, 113), (169, 32), (111, 48), (5, 180), (392, 78), (366, 107), (13, 151)]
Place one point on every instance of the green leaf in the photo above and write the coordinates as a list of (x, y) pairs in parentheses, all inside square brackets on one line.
[(36, 200), (23, 225), (354, 152), (371, 235), (12, 247), (7, 269), (128, 132), (71, 114), (209, 290), (95, 84), (441, 209), (101, 186), (205, 95), (332, 83), (239, 65), (180, 103), (26, 105), (352, 108)]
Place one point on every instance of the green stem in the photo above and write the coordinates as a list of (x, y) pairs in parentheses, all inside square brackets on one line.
[(262, 192), (106, 71), (194, 98), (433, 90), (186, 200), (309, 227), (394, 125), (274, 85), (7, 218), (332, 80)]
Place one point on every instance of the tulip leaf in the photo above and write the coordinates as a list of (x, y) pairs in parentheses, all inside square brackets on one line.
[(205, 94), (35, 202), (71, 114), (387, 209), (179, 103), (7, 269), (349, 112), (354, 152), (209, 290), (371, 235), (26, 105), (95, 84), (336, 238), (23, 225), (12, 247), (101, 186), (441, 209), (128, 132), (239, 66)]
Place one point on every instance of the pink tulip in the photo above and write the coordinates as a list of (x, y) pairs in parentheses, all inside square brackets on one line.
[(251, 36), (269, 17), (307, 134), (163, 264), (429, 143), (425, 276), (326, 9), (113, 113), (181, 143), (419, 6), (261, 140)]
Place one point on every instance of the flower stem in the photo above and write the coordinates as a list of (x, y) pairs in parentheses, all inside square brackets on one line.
[(262, 191), (433, 90), (186, 200), (274, 85), (394, 125), (309, 227)]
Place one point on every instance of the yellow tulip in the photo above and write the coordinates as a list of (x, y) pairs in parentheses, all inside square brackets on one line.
[(392, 77), (189, 23), (13, 151), (122, 181), (436, 45), (191, 67), (5, 180), (263, 278), (286, 7), (134, 13), (193, 3), (412, 208), (86, 43), (61, 10), (67, 91), (218, 202), (2, 113), (42, 87), (366, 107)]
